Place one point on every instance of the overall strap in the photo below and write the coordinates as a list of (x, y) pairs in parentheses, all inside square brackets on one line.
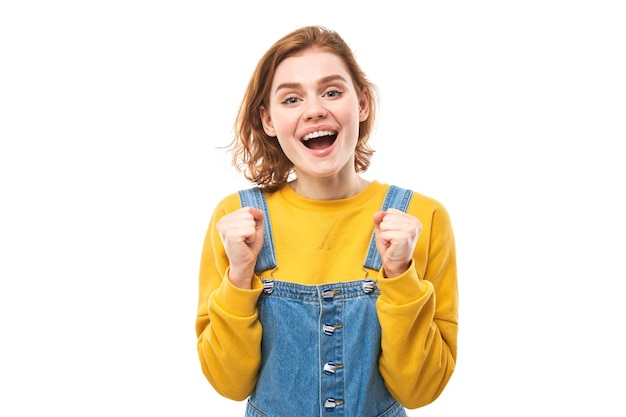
[(254, 197), (398, 198)]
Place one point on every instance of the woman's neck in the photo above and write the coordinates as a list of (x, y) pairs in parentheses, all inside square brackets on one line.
[(331, 188)]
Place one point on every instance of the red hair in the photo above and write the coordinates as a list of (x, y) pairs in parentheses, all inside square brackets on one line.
[(260, 158)]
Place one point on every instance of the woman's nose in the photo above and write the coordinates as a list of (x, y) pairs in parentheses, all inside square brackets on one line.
[(314, 110)]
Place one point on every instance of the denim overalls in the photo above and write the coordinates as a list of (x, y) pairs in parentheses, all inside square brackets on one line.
[(320, 343)]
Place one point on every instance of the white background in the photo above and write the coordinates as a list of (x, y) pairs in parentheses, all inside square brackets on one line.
[(511, 113)]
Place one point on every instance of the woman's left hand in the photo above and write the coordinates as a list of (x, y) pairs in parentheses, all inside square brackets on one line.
[(396, 237)]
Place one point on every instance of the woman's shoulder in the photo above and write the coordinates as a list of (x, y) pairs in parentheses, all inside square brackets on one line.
[(229, 203), (420, 202), (244, 196), (426, 200)]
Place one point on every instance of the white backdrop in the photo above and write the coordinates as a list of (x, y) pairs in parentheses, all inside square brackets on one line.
[(512, 114)]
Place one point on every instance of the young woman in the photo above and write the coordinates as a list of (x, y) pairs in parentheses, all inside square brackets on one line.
[(322, 293)]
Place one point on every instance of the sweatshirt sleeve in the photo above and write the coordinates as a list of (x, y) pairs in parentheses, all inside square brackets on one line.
[(227, 326), (418, 313)]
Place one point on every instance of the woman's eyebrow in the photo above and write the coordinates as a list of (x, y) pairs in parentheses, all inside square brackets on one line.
[(323, 80), (332, 78)]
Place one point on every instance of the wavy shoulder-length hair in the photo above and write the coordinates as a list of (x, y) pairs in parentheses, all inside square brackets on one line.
[(258, 156)]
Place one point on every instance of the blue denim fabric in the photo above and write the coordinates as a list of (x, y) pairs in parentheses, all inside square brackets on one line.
[(254, 197), (320, 343), (320, 352), (397, 198)]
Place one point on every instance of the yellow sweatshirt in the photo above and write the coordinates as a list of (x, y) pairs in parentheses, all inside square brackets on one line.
[(326, 241)]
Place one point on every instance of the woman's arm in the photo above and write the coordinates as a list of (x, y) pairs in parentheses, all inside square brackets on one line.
[(418, 312), (227, 326)]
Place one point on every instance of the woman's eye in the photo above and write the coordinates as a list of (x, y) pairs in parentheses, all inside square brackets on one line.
[(333, 93), (290, 100)]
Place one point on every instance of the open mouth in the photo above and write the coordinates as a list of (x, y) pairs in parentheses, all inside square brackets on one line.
[(319, 140)]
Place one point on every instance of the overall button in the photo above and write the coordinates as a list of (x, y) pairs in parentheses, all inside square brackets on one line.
[(329, 329), (331, 403), (328, 295), (369, 285), (330, 368), (268, 286)]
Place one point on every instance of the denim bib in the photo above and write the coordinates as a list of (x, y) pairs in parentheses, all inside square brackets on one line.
[(320, 343)]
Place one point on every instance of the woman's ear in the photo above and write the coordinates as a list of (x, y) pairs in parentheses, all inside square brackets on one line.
[(268, 126), (364, 105)]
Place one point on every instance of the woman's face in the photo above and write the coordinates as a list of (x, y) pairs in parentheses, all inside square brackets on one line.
[(314, 112)]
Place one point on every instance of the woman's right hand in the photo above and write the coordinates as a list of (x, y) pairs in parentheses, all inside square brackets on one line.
[(242, 235)]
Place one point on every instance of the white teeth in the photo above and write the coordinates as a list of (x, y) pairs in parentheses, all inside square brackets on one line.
[(318, 134)]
